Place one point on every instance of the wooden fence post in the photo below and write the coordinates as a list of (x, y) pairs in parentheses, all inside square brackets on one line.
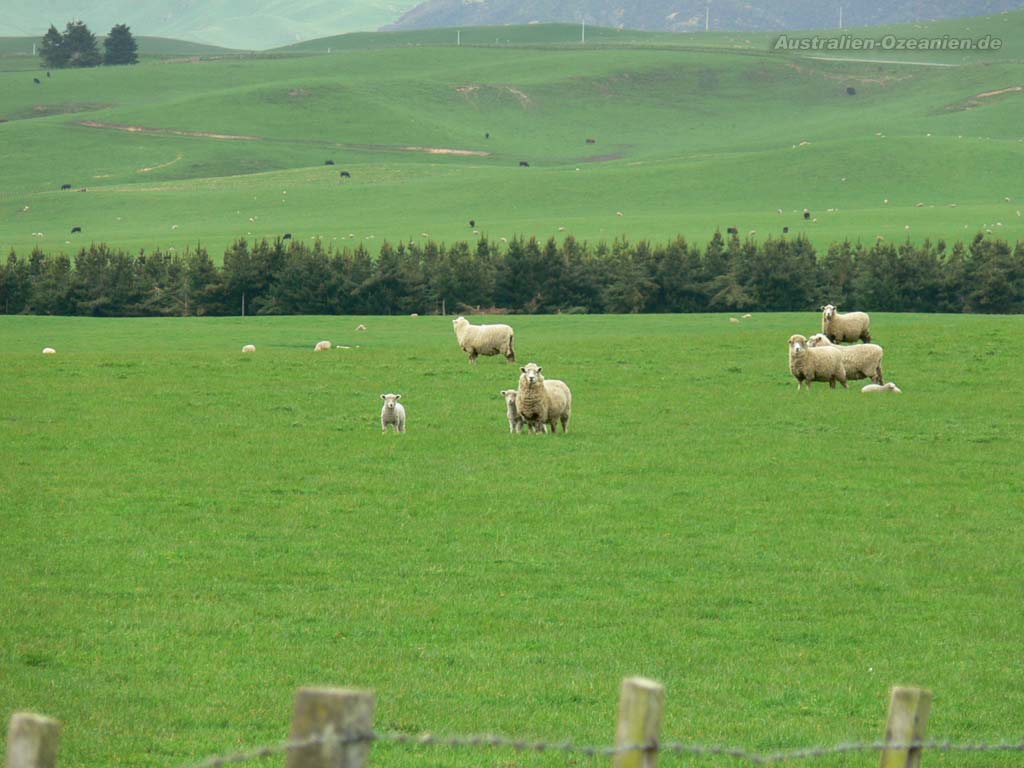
[(908, 716), (641, 706), (336, 713), (32, 741)]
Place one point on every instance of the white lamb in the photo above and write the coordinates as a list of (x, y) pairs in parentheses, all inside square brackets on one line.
[(889, 386), (515, 421), (392, 413), (322, 346), (543, 402), (848, 327), (249, 348), (49, 351), (809, 364), (861, 361), (485, 339)]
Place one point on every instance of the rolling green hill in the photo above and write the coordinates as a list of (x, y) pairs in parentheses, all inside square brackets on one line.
[(685, 140)]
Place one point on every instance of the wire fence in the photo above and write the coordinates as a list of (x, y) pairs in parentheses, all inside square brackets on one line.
[(333, 728), (488, 741)]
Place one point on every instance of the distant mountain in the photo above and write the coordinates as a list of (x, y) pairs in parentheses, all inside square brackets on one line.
[(243, 24), (691, 15)]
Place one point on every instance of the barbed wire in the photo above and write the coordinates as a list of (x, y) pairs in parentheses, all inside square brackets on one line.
[(331, 740)]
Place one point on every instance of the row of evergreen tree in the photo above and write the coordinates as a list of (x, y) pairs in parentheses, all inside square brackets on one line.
[(76, 47), (524, 276)]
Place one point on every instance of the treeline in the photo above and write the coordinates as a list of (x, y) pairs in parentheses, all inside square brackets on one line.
[(76, 47), (522, 276)]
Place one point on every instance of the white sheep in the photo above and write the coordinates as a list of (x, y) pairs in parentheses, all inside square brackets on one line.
[(809, 364), (848, 327), (515, 421), (485, 339), (49, 351), (322, 346), (861, 361), (889, 386), (360, 327), (543, 402), (392, 413), (249, 348)]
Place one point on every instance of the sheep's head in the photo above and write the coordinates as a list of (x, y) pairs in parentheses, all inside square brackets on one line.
[(531, 375), (797, 344), (390, 400), (509, 395), (891, 386), (828, 312), (818, 340), (458, 322)]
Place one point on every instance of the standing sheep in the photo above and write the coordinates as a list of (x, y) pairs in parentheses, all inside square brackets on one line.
[(485, 339), (322, 346), (809, 364), (392, 413), (861, 361), (848, 327), (515, 421), (543, 401)]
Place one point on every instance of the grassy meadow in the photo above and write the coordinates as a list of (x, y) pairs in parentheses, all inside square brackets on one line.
[(190, 533), (691, 134)]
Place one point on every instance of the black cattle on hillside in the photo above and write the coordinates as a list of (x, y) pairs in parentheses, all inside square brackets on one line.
[(523, 164), (732, 231), (346, 175), (65, 186), (328, 162), (75, 229), (287, 236)]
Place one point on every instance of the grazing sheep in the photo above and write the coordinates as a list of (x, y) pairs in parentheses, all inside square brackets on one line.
[(49, 351), (515, 421), (392, 413), (747, 316), (848, 327), (322, 346), (809, 364), (861, 361), (734, 319), (360, 327), (889, 386), (485, 339), (249, 348), (543, 401)]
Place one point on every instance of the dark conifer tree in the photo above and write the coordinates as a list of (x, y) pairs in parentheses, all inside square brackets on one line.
[(120, 47)]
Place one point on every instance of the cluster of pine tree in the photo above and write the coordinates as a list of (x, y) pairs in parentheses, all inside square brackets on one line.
[(524, 276), (76, 47)]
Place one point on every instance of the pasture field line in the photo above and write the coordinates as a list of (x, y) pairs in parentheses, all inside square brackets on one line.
[(143, 130), (883, 61)]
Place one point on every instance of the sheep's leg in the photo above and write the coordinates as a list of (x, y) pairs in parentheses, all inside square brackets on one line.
[(878, 378)]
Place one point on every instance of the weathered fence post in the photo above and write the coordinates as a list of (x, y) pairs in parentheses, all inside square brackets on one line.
[(32, 741), (908, 716), (337, 714), (641, 705)]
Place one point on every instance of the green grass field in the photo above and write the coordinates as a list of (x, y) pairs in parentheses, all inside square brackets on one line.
[(691, 133), (189, 533)]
